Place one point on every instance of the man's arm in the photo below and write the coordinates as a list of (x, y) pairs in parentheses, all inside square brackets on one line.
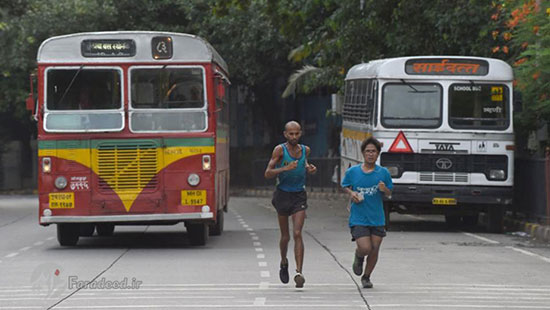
[(310, 168), (271, 171)]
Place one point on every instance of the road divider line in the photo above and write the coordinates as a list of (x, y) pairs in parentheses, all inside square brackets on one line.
[(256, 243), (259, 301), (481, 238), (262, 264), (265, 274), (546, 259), (262, 256), (11, 255)]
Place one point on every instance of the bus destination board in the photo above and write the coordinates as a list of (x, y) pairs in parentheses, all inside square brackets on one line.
[(108, 48), (444, 66)]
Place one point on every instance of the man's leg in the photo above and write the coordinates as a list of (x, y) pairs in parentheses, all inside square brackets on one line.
[(363, 249), (372, 257), (298, 219), (285, 237)]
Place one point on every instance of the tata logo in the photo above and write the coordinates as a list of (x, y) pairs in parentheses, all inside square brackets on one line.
[(444, 163), (444, 146)]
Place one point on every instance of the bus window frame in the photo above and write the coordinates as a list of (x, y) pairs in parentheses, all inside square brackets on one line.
[(507, 107), (132, 110), (47, 111), (371, 95), (413, 83)]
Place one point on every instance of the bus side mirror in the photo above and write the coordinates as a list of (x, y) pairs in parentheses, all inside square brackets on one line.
[(518, 103)]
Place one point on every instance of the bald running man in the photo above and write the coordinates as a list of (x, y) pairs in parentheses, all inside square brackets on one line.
[(289, 164)]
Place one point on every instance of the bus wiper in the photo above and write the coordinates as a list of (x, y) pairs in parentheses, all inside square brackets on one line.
[(415, 90), (70, 84)]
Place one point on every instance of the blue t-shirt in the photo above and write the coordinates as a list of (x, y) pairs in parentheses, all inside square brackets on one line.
[(292, 180), (369, 212)]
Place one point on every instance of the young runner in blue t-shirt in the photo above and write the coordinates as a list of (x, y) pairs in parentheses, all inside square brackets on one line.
[(366, 183)]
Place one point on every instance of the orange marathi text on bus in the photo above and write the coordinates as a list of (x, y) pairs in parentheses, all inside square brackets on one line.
[(132, 129)]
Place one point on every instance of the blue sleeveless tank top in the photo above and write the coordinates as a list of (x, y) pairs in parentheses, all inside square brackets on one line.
[(293, 180)]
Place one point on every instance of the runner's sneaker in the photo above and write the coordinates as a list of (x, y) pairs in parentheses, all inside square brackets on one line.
[(365, 280), (283, 273), (358, 265), (300, 280)]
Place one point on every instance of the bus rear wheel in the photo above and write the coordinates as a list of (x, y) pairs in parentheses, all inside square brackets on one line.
[(198, 233), (495, 218), (68, 234), (86, 229)]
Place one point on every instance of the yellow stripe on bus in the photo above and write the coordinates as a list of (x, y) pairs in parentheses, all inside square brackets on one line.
[(165, 157), (355, 134)]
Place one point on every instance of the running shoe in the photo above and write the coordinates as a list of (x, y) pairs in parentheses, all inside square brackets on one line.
[(300, 280), (365, 281), (283, 273), (358, 265)]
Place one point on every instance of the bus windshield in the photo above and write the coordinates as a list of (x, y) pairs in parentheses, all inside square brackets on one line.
[(83, 99), (165, 99), (478, 106), (411, 105)]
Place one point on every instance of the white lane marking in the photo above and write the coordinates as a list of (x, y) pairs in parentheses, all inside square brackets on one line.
[(262, 264), (416, 217), (546, 259), (265, 274), (257, 243), (260, 256), (24, 249), (255, 237), (245, 226), (259, 249), (259, 301), (252, 233), (11, 255), (481, 238), (50, 238), (249, 229), (264, 285), (39, 243)]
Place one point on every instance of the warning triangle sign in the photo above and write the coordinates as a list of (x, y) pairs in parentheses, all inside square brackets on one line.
[(400, 144)]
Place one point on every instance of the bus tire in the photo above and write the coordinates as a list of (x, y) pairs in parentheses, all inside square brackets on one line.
[(470, 220), (68, 234), (217, 228), (105, 229), (87, 229), (198, 233), (495, 219), (453, 221)]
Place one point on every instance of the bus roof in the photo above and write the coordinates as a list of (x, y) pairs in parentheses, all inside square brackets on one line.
[(395, 68), (186, 48)]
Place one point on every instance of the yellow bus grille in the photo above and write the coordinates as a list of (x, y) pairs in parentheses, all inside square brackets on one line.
[(127, 167)]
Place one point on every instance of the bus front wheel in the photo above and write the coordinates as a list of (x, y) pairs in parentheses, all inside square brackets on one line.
[(67, 234), (198, 233), (217, 229), (105, 229)]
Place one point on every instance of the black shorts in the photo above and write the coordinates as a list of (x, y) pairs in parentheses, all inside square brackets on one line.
[(364, 231), (288, 203)]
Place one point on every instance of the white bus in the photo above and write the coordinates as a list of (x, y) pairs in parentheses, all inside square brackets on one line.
[(446, 126)]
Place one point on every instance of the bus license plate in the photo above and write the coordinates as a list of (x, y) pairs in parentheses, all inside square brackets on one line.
[(193, 198), (444, 201), (61, 200)]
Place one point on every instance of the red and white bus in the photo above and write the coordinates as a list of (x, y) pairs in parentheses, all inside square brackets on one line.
[(132, 130)]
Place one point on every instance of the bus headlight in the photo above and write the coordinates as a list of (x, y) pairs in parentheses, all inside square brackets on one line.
[(497, 174), (46, 165), (394, 171), (193, 179), (60, 182), (206, 162)]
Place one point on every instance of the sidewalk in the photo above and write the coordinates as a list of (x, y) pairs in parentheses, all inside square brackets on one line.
[(536, 231)]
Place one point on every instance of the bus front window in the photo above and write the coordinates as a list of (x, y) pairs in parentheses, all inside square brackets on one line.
[(167, 99), (411, 105), (83, 99), (478, 106)]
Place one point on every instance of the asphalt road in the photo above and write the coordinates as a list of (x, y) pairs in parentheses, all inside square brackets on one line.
[(423, 265)]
